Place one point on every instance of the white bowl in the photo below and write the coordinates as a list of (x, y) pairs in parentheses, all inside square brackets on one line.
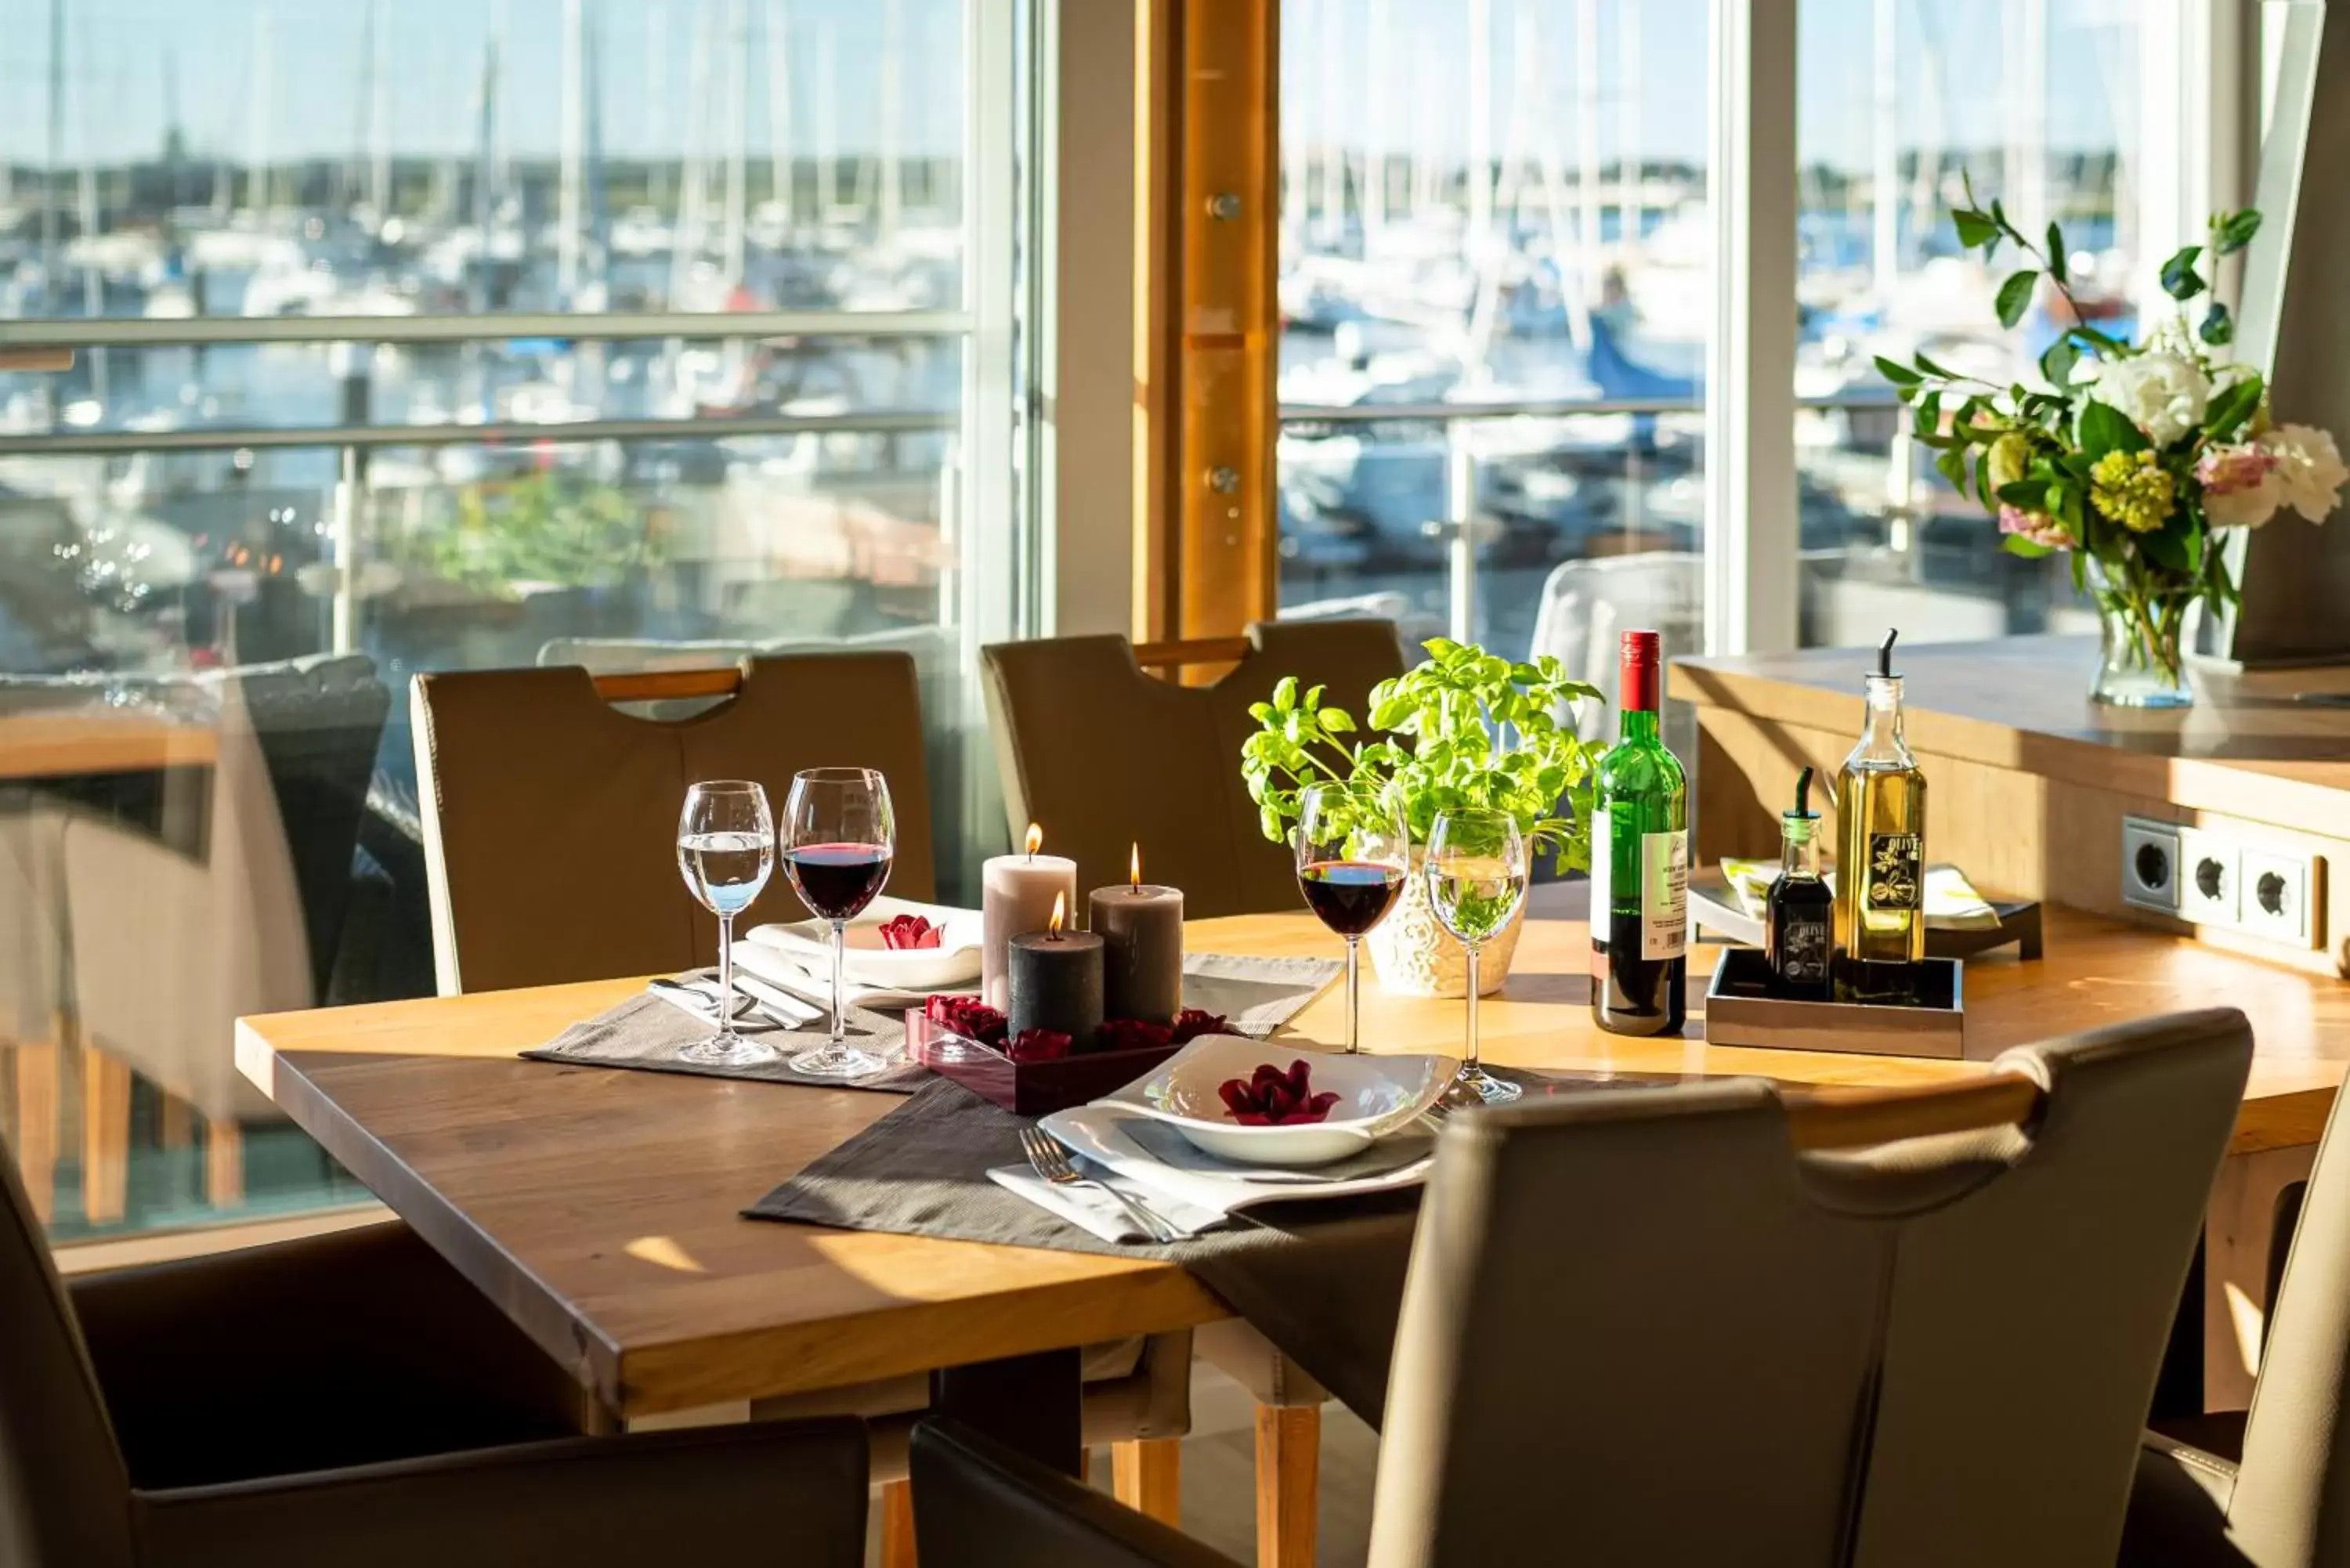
[(953, 962), (1377, 1096)]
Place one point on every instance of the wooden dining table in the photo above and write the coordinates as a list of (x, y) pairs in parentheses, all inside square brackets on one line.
[(602, 1208)]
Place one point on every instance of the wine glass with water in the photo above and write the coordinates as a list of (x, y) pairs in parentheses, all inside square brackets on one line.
[(1352, 857), (1477, 866), (726, 852), (838, 837)]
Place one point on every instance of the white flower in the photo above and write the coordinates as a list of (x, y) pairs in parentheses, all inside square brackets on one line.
[(2162, 394), (2246, 508), (2309, 471)]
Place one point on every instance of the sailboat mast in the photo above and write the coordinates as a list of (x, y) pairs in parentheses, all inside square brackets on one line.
[(570, 134), (779, 110), (1885, 150), (893, 51)]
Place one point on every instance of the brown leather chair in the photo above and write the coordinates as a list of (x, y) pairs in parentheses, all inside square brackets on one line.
[(1105, 756), (1640, 1328), (351, 1399), (2270, 1486), (523, 773)]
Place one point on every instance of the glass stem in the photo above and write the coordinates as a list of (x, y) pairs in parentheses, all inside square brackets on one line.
[(839, 1006), (1474, 1070), (1354, 992), (726, 978)]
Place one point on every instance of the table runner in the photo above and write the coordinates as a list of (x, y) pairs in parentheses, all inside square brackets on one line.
[(1258, 995), (1321, 1278)]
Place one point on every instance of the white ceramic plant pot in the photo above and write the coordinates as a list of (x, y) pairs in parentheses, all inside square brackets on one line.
[(1414, 955)]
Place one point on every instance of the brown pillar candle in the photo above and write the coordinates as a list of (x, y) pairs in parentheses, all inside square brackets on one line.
[(1141, 928), (1057, 981)]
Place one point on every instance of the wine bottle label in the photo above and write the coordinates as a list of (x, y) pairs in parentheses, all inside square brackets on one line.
[(1895, 879), (1603, 856), (1664, 895), (1804, 946)]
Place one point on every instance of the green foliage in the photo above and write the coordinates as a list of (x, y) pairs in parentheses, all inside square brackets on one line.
[(2179, 278), (541, 528), (2015, 297), (1464, 728)]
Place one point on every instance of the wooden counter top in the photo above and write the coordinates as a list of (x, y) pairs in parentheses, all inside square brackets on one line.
[(2246, 748)]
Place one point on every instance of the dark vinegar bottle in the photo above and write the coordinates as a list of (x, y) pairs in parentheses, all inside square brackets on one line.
[(1799, 915), (1640, 862)]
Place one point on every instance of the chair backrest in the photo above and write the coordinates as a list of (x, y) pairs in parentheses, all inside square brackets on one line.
[(550, 816), (1640, 1328), (2291, 1503), (1103, 756), (64, 1493), (1585, 605)]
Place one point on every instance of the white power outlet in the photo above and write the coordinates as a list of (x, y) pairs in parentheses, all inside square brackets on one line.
[(2211, 878), (2276, 895)]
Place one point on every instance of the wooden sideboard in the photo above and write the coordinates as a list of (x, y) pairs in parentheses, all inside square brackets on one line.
[(2029, 781)]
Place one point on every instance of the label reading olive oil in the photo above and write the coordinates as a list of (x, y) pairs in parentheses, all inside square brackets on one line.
[(1895, 880)]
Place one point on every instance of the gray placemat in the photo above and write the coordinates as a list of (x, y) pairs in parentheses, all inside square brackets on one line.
[(646, 1032), (1257, 995), (1322, 1278)]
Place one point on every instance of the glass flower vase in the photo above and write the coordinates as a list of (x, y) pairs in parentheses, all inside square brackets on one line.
[(2143, 663)]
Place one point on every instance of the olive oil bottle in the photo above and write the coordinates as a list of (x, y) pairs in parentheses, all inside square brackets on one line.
[(1880, 904)]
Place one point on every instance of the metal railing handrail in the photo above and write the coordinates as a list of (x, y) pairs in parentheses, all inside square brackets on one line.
[(144, 332), (117, 443), (1548, 408)]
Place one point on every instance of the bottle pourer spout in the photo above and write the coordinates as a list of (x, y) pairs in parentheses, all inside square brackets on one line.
[(1884, 653), (1804, 795)]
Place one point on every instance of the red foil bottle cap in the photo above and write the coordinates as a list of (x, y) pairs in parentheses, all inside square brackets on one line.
[(1641, 672)]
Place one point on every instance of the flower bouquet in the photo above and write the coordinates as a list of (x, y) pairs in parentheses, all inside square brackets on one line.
[(2129, 458)]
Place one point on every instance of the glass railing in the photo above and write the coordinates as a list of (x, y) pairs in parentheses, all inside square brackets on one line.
[(209, 617)]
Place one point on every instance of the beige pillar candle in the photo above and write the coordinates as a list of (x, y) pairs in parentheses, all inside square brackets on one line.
[(1016, 893), (1141, 928)]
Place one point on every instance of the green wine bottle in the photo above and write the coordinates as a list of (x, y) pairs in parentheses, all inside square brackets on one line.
[(1640, 862)]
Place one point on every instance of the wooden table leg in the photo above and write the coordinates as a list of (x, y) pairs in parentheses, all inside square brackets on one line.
[(1146, 1475), (105, 1138), (2240, 1238), (1288, 1472), (1029, 1402), (898, 1524)]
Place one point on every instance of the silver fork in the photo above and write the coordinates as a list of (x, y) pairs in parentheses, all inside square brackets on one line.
[(1051, 1161)]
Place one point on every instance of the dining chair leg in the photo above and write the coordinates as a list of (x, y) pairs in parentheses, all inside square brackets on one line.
[(898, 1524), (33, 1135), (105, 1137), (1146, 1475), (1288, 1471), (224, 1164)]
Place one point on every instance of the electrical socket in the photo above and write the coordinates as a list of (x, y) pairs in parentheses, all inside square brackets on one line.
[(2211, 878), (2276, 895), (2150, 864)]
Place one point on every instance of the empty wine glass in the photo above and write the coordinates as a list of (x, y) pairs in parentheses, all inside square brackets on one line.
[(726, 852), (838, 837), (1477, 866), (1352, 857)]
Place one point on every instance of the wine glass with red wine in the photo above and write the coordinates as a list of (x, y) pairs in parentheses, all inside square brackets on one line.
[(1352, 857), (839, 837)]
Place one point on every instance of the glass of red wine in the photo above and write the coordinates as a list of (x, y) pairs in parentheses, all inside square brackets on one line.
[(1352, 857), (839, 836)]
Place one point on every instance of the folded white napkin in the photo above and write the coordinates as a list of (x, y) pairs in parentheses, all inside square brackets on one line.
[(780, 970), (1095, 1211)]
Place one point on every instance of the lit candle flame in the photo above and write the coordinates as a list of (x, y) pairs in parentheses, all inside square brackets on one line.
[(1060, 913), (1134, 867), (1035, 838)]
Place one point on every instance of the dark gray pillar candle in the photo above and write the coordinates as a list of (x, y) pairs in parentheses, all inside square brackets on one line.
[(1056, 984), (1141, 929)]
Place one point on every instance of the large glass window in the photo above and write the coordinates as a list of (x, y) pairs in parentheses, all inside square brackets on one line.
[(669, 356), (1496, 282), (1903, 102)]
